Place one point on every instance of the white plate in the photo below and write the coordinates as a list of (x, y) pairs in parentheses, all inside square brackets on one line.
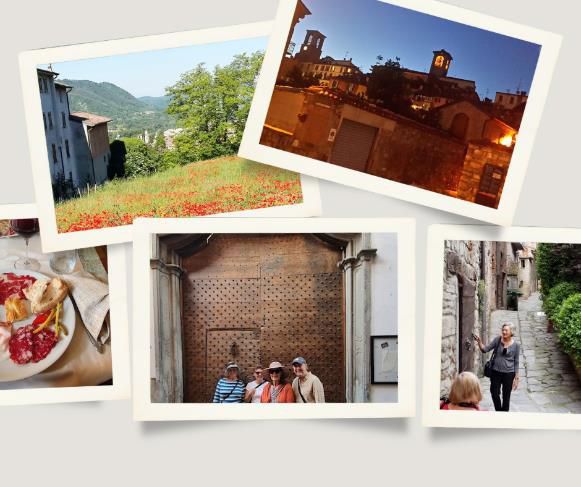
[(9, 370)]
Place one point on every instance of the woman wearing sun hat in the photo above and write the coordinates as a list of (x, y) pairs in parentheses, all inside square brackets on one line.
[(279, 390), (230, 389)]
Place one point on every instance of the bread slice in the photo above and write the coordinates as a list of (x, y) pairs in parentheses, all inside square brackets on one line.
[(45, 295)]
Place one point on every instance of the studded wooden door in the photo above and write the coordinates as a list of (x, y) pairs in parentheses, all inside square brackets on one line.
[(254, 299)]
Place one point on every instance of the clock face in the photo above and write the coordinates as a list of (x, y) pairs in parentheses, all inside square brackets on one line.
[(439, 62)]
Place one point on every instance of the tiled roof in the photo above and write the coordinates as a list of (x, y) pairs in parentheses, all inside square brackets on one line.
[(90, 118)]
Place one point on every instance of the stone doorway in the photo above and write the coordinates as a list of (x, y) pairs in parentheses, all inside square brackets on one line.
[(466, 317), (254, 299)]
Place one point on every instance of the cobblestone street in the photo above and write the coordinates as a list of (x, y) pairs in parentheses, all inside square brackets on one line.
[(548, 381)]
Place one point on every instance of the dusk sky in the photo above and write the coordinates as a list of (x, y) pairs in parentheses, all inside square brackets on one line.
[(362, 29), (149, 73)]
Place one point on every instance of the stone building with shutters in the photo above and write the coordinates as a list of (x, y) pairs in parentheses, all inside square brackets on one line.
[(77, 143), (479, 277), (258, 298)]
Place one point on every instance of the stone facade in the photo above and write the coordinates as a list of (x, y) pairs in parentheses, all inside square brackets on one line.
[(527, 270), (462, 271), (482, 158), (306, 123), (479, 125)]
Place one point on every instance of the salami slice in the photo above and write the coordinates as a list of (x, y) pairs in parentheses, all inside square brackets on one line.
[(13, 285), (42, 343), (21, 345), (26, 346)]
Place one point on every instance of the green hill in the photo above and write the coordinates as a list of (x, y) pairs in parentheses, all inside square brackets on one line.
[(159, 102), (131, 116)]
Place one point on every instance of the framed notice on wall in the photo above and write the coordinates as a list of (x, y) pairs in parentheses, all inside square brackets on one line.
[(384, 359)]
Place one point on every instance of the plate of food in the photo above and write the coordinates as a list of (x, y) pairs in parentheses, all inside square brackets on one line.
[(37, 322)]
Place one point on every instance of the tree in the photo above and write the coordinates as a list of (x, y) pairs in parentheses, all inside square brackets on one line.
[(557, 263), (388, 86), (212, 107), (297, 79), (140, 159), (159, 142)]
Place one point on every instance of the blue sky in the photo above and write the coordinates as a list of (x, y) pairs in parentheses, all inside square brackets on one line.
[(362, 29), (149, 73)]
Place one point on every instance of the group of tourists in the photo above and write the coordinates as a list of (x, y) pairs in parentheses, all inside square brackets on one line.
[(466, 393), (305, 387)]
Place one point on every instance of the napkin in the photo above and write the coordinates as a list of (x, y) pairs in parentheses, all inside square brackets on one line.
[(92, 299)]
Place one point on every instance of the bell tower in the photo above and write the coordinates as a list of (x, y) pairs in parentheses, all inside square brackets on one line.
[(440, 63), (312, 47)]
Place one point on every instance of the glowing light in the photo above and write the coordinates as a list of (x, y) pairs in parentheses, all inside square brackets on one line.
[(506, 140)]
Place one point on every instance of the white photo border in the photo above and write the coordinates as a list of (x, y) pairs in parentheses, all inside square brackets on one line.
[(30, 60), (120, 389), (431, 413), (503, 215), (145, 410)]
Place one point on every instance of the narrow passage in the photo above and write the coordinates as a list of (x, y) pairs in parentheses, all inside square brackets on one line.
[(548, 382)]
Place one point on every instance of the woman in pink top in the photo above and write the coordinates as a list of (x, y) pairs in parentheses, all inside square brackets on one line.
[(465, 394)]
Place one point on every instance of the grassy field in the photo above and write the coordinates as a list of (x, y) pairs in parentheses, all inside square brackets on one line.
[(202, 188)]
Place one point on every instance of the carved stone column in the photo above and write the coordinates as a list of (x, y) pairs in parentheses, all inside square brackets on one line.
[(357, 267), (167, 369)]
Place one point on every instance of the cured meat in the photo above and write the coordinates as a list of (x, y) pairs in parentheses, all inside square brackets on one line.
[(21, 344), (26, 346), (42, 343), (5, 334), (12, 285)]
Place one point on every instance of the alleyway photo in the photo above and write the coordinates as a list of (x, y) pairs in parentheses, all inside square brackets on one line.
[(511, 326)]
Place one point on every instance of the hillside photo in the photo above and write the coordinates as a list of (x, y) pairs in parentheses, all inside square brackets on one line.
[(128, 140)]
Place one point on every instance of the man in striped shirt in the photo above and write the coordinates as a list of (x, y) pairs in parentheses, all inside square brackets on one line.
[(230, 389)]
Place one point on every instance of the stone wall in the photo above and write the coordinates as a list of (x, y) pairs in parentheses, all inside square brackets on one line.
[(418, 155), (477, 156), (461, 262), (405, 151)]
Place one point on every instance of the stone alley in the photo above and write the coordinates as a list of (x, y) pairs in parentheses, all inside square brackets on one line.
[(548, 382)]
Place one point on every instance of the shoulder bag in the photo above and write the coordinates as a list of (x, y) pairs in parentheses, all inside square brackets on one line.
[(301, 392), (488, 366)]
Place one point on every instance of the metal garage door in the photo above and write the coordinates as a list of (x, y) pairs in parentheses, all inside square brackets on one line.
[(254, 299), (353, 145)]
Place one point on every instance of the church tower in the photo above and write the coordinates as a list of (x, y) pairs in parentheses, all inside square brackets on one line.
[(312, 47), (440, 63)]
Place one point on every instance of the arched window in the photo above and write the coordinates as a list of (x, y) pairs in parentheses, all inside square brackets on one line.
[(439, 62), (459, 125)]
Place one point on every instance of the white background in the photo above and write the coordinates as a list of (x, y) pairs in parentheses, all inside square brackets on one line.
[(97, 443)]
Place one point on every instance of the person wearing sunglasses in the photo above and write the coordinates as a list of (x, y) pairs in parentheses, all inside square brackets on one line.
[(306, 385), (230, 388), (254, 388), (505, 367), (279, 390)]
